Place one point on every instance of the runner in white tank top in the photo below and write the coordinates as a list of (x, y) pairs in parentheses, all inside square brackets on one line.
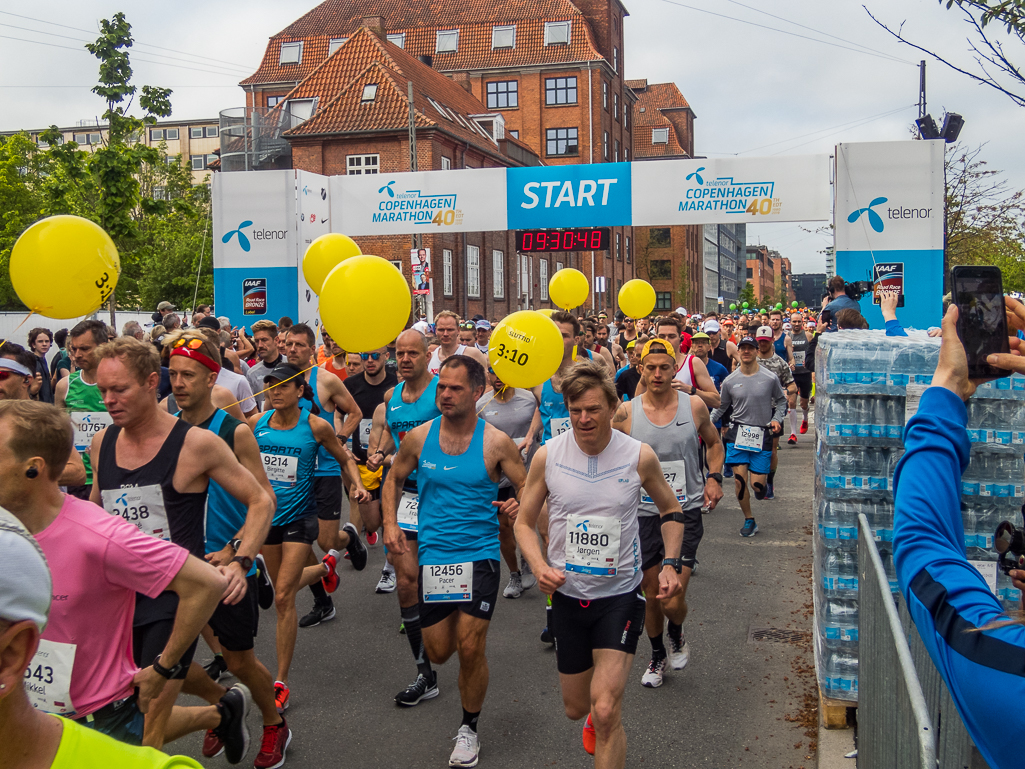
[(591, 477)]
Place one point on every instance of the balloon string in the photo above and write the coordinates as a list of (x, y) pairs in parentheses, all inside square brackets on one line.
[(30, 314), (266, 389), (485, 404)]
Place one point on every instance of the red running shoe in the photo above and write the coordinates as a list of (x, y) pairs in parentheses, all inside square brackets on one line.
[(212, 744), (330, 580), (281, 693), (372, 538), (590, 738), (804, 427), (276, 739)]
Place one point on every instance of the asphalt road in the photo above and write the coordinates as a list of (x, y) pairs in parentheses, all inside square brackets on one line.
[(737, 703)]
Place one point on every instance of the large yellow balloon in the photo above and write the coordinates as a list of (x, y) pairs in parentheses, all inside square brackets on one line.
[(324, 254), (569, 288), (364, 303), (525, 349), (64, 267), (546, 312), (637, 298)]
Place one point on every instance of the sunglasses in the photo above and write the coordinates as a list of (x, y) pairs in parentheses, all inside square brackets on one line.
[(370, 355), (192, 344), (467, 326), (5, 375)]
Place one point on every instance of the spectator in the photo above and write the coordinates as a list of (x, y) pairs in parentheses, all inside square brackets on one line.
[(162, 310), (851, 320), (172, 322), (838, 300), (132, 328), (39, 341)]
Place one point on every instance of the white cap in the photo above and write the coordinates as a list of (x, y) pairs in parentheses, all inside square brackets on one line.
[(422, 326), (710, 326), (681, 310), (25, 583), (764, 332)]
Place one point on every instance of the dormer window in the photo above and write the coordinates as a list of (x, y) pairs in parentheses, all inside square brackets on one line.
[(503, 37), (660, 136), (557, 32), (335, 43), (291, 53), (447, 41), (369, 93), (399, 39)]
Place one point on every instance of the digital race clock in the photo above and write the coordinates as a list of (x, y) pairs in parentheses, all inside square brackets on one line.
[(581, 239)]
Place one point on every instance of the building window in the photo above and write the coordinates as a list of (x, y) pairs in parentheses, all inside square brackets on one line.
[(560, 90), (750, 273), (557, 32), (291, 53), (619, 250), (84, 138), (660, 269), (503, 37), (503, 94), (626, 154), (171, 134), (362, 165), (335, 43), (301, 109), (210, 159), (627, 109), (659, 237), (663, 300), (399, 39), (369, 93), (446, 263), (446, 163), (473, 271), (615, 59), (660, 136), (561, 141), (273, 101), (211, 131), (615, 106), (447, 41), (558, 266), (605, 145), (160, 193), (604, 96), (615, 153), (514, 134), (498, 271), (628, 249), (543, 278), (198, 162), (196, 132)]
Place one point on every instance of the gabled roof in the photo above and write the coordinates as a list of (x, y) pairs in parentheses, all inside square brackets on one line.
[(649, 112), (421, 20)]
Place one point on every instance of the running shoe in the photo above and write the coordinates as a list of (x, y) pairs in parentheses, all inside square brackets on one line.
[(387, 582), (652, 677), (515, 588), (423, 688), (769, 491), (590, 738), (750, 528), (233, 731), (546, 636), (265, 588), (792, 440), (318, 614), (276, 739), (372, 538), (679, 653), (402, 628), (281, 693), (330, 580), (217, 668), (527, 578), (356, 549), (804, 427), (213, 745), (727, 472), (466, 749)]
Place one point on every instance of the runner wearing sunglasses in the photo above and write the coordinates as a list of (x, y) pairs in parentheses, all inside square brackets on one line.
[(467, 333)]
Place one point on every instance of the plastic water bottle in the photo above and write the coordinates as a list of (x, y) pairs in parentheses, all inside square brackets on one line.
[(840, 623), (843, 675)]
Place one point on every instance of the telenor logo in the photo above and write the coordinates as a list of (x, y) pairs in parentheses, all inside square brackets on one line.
[(387, 188), (242, 239), (696, 175), (874, 219)]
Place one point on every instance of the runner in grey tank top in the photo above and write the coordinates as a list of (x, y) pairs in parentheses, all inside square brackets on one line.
[(673, 424)]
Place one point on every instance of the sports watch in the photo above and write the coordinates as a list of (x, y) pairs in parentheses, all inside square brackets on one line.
[(717, 477), (170, 672), (676, 563)]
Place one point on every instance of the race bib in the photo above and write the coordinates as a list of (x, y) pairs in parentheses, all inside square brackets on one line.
[(749, 438), (592, 545), (48, 678), (364, 432), (448, 583), (409, 511), (142, 506), (86, 425), (675, 473), (560, 425), (799, 357), (280, 469)]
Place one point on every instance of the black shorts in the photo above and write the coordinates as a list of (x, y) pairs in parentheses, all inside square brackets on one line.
[(235, 625), (303, 530), (149, 640), (653, 548), (803, 382), (120, 719), (486, 575), (580, 627), (327, 490)]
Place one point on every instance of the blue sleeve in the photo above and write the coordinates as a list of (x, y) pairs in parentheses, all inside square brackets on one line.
[(893, 328), (947, 598)]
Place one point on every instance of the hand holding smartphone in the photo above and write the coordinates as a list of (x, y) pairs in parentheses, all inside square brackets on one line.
[(978, 293)]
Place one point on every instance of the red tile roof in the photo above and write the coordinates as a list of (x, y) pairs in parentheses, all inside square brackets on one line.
[(648, 114), (420, 20)]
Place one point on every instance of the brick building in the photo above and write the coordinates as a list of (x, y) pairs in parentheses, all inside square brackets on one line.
[(782, 277), (551, 69), (761, 272), (670, 258)]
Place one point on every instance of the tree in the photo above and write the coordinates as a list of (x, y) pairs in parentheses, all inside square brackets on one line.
[(746, 295)]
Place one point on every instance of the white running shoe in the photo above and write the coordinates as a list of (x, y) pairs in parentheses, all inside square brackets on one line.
[(387, 582), (679, 654), (514, 589), (467, 747), (527, 578), (652, 677)]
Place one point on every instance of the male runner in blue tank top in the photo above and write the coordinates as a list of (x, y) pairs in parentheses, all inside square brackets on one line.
[(459, 460), (407, 406)]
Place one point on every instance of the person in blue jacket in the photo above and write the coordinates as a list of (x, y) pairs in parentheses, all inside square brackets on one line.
[(983, 665)]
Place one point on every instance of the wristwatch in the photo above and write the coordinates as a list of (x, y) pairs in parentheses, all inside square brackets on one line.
[(717, 477), (693, 390), (676, 563), (244, 561), (167, 673)]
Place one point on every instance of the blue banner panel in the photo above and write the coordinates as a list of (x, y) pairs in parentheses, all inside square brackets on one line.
[(569, 196), (249, 294), (923, 284)]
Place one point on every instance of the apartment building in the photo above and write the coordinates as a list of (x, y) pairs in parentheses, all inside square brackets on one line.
[(761, 272)]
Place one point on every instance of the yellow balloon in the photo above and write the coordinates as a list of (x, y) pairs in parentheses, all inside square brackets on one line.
[(64, 267), (569, 288), (525, 349), (546, 312), (324, 254), (637, 298), (364, 303)]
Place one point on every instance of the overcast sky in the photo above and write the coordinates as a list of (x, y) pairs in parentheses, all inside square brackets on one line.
[(755, 91)]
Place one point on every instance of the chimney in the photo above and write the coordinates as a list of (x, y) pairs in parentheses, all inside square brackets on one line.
[(376, 25), (428, 60), (463, 79)]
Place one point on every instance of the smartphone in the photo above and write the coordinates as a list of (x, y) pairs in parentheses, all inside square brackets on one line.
[(826, 316), (978, 293)]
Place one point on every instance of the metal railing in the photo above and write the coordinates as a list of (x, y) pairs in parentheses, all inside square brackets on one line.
[(251, 138), (906, 718)]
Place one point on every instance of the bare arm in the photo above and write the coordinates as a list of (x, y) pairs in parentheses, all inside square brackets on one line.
[(325, 435), (344, 403), (380, 443), (654, 482), (535, 422), (609, 360), (94, 461), (74, 471), (621, 420), (508, 462), (61, 393), (705, 386), (715, 453), (789, 344), (223, 399), (534, 495), (403, 465)]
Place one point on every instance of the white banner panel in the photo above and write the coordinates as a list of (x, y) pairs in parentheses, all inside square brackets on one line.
[(470, 200), (889, 196), (794, 188), (254, 219), (313, 195)]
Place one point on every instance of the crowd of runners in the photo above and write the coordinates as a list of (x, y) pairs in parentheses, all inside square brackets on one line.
[(180, 479)]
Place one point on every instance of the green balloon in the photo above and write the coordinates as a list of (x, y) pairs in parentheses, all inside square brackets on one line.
[(745, 305), (733, 306), (794, 305), (779, 305)]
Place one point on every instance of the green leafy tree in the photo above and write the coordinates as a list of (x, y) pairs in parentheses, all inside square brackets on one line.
[(20, 204), (747, 294)]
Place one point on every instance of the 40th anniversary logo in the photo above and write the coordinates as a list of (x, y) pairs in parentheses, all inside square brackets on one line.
[(414, 206), (729, 196)]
